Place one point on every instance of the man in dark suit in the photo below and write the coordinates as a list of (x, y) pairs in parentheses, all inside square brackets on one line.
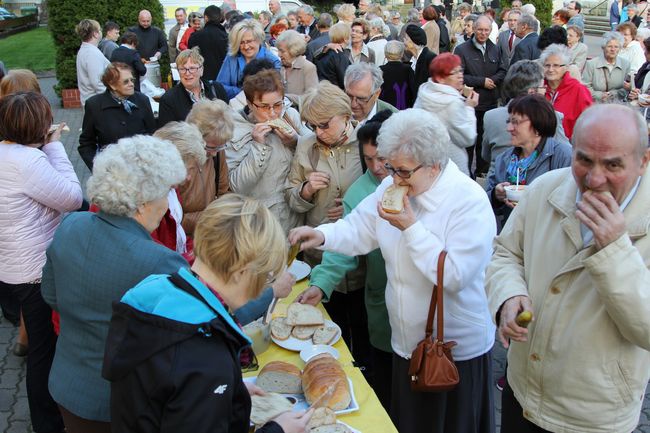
[(307, 22), (507, 40), (484, 70), (126, 53), (527, 48), (212, 40), (415, 40)]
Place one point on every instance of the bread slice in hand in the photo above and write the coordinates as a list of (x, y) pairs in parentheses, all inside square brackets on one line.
[(280, 329), (281, 377), (321, 416), (304, 314), (325, 334), (266, 407), (304, 332), (393, 199)]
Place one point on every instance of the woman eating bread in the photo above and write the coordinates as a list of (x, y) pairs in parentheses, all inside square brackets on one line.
[(440, 209)]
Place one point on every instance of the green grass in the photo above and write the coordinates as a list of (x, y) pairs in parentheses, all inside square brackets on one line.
[(33, 49)]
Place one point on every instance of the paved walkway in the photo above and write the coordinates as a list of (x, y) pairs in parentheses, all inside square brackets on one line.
[(14, 411)]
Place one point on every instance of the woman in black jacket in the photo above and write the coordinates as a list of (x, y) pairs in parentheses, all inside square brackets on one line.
[(117, 113)]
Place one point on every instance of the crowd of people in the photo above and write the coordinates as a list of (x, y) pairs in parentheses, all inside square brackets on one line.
[(286, 129)]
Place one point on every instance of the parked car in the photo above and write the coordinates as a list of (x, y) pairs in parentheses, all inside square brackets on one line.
[(6, 15)]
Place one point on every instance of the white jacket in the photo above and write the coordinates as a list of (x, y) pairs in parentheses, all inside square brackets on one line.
[(36, 186), (91, 64), (455, 215), (449, 105)]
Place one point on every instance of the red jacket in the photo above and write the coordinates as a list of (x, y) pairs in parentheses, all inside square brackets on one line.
[(571, 98)]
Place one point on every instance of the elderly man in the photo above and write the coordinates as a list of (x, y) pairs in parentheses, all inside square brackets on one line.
[(575, 15), (276, 9), (151, 40), (508, 40), (307, 22), (175, 34), (574, 253), (526, 30), (363, 85), (483, 69)]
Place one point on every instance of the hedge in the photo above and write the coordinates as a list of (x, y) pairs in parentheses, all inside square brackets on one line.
[(64, 15), (543, 10)]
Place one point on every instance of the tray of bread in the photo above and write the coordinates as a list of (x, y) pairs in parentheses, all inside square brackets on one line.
[(302, 327)]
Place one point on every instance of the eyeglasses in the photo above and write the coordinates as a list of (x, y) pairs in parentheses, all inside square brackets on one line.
[(215, 148), (516, 122), (191, 69), (128, 80), (359, 99), (456, 71), (322, 126), (404, 174), (248, 42), (276, 107), (554, 66)]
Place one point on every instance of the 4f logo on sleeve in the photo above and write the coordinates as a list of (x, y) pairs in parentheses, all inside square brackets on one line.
[(220, 389)]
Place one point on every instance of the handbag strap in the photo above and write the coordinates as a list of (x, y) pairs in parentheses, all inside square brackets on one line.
[(436, 301)]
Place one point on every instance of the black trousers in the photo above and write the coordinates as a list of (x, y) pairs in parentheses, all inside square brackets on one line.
[(512, 414), (381, 371), (468, 408), (44, 412), (482, 166)]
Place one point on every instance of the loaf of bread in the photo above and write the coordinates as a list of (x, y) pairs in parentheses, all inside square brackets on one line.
[(325, 334), (304, 332), (304, 314), (265, 408), (331, 428), (321, 416), (320, 372), (393, 199), (281, 377), (280, 329)]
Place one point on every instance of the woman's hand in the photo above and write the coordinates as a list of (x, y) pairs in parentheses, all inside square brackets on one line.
[(336, 211), (634, 94), (316, 181), (500, 194), (312, 296), (310, 238), (283, 285), (338, 48), (294, 422), (260, 130), (626, 85), (54, 135), (472, 100), (402, 220), (287, 139)]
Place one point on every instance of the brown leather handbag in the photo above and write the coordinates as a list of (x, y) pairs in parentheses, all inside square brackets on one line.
[(432, 367)]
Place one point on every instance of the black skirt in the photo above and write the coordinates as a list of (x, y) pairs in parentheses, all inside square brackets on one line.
[(468, 408)]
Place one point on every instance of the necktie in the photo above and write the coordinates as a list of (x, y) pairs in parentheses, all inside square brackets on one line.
[(510, 40)]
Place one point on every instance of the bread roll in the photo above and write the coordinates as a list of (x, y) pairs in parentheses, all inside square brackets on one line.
[(265, 408), (281, 377), (304, 314), (321, 372), (280, 329), (393, 199)]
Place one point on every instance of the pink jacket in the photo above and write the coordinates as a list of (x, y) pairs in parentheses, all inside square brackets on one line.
[(36, 187)]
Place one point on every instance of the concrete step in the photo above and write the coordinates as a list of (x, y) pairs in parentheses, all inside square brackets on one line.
[(596, 25)]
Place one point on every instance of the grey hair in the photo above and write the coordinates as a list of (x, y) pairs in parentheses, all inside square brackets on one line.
[(521, 77), (296, 43), (515, 12), (611, 36), (266, 14), (470, 17), (358, 71), (324, 21), (633, 6), (464, 7), (377, 24), (188, 140), (529, 20), (528, 9), (415, 133), (394, 50), (134, 171), (412, 14), (559, 50), (307, 9)]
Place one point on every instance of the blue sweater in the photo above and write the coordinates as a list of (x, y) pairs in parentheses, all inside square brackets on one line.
[(232, 70)]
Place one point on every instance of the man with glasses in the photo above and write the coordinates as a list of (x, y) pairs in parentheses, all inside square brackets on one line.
[(526, 30), (363, 85), (575, 14), (212, 41)]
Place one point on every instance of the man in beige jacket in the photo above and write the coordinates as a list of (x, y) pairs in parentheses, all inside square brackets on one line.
[(575, 252)]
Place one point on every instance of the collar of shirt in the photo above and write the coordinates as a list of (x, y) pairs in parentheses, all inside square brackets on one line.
[(370, 115), (201, 95), (479, 46)]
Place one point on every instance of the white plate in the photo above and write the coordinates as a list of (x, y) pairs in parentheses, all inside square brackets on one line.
[(299, 269), (301, 403), (316, 349), (296, 344)]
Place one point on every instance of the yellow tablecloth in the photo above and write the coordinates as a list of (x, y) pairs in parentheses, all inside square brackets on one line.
[(371, 416)]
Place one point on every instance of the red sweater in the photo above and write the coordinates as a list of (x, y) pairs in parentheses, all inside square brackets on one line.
[(571, 98)]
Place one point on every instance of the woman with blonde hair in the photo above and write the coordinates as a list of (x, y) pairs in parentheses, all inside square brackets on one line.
[(91, 62), (345, 13), (298, 73), (246, 40), (172, 339)]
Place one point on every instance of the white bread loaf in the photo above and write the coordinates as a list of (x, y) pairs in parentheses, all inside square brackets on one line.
[(320, 372), (304, 314), (325, 335), (265, 408), (280, 377), (322, 416), (331, 428), (393, 199), (280, 329), (304, 332)]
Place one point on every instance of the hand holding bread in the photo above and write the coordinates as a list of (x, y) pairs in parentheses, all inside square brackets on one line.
[(401, 220), (260, 130), (309, 237), (312, 296)]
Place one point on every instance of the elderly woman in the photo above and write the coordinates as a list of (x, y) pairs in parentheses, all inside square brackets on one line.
[(162, 385), (605, 75), (246, 42), (431, 28), (331, 65), (177, 102), (441, 96), (209, 180), (195, 22), (91, 62), (377, 41), (359, 51), (346, 13), (259, 154), (632, 51), (532, 124), (117, 113), (130, 184), (38, 185), (578, 50), (560, 18), (298, 73), (292, 20), (399, 79), (444, 210), (568, 95)]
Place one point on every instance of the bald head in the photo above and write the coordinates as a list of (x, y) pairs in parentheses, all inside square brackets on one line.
[(144, 19), (482, 28)]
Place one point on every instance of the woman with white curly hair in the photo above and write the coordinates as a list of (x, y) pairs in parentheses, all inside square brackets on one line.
[(95, 257), (443, 210)]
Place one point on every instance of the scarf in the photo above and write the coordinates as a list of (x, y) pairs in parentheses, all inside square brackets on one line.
[(125, 103), (521, 166)]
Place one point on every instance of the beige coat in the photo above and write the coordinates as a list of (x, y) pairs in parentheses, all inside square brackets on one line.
[(299, 78), (598, 79), (586, 364), (433, 35), (259, 170)]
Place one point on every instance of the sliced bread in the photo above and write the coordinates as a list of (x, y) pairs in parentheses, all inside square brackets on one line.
[(281, 377), (304, 314), (266, 407), (280, 329), (321, 416), (304, 332), (331, 428), (325, 334)]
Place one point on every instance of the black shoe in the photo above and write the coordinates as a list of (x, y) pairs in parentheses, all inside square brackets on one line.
[(21, 350)]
